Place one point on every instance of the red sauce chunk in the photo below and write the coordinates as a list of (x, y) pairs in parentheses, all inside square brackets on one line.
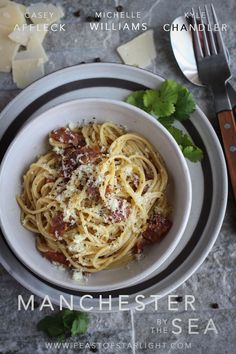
[(67, 136), (59, 226), (158, 226), (56, 257)]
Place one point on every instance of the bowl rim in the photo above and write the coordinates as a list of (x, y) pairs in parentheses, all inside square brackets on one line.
[(187, 201)]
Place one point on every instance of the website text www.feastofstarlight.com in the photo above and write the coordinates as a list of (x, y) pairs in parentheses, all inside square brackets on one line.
[(118, 346)]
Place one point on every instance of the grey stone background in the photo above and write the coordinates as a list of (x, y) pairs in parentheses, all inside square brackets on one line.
[(215, 280)]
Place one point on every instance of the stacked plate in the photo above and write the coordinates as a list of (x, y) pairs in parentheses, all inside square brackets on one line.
[(181, 257)]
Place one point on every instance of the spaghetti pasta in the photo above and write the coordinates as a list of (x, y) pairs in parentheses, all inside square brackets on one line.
[(96, 198)]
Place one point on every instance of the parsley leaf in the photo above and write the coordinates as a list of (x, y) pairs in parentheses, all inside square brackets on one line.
[(63, 324), (169, 102)]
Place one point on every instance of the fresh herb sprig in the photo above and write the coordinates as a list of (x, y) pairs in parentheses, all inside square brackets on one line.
[(170, 102), (63, 324)]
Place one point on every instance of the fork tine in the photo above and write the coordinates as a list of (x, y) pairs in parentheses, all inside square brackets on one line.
[(205, 41), (212, 43), (196, 38), (218, 35)]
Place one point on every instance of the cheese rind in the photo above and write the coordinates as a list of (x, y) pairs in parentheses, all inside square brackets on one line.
[(43, 13), (27, 71), (140, 51)]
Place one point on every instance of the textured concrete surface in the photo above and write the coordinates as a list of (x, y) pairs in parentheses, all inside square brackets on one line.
[(215, 280)]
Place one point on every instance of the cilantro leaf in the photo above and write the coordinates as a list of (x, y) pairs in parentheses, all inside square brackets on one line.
[(136, 99), (80, 324), (68, 317), (186, 140), (162, 101), (189, 149), (169, 99), (169, 102), (176, 133), (193, 153), (157, 104), (53, 326), (64, 323), (166, 121), (185, 104)]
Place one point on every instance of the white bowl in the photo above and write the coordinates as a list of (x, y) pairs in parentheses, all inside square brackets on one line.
[(31, 141)]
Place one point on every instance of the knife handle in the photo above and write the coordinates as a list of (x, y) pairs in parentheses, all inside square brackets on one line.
[(228, 132)]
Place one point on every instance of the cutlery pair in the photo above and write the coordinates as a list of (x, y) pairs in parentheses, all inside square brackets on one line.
[(213, 71)]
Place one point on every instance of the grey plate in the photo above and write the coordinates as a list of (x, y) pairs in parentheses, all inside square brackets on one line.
[(209, 178)]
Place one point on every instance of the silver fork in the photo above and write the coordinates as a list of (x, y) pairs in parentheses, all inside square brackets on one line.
[(214, 71)]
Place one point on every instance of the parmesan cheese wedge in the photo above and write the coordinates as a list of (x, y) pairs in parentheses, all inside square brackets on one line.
[(140, 51), (10, 15), (8, 49), (5, 2), (26, 71), (21, 7), (35, 47), (22, 34), (50, 13), (34, 50), (8, 2), (28, 65)]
